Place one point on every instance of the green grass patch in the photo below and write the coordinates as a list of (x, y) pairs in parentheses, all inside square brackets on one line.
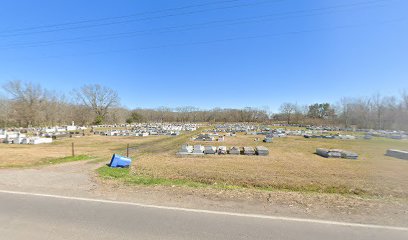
[(125, 175)]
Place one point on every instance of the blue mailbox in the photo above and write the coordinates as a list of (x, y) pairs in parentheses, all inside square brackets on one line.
[(120, 161)]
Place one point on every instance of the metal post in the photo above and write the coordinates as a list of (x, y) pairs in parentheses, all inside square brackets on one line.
[(127, 150)]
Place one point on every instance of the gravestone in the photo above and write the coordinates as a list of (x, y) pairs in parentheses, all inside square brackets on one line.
[(349, 155), (267, 139), (249, 151), (328, 153), (222, 150), (198, 149), (186, 149), (210, 150), (262, 151), (235, 150), (336, 153), (397, 154)]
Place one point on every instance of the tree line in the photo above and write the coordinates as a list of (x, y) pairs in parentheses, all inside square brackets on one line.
[(375, 112), (26, 104)]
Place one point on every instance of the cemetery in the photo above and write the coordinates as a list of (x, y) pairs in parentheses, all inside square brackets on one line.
[(15, 137), (48, 134), (278, 131), (286, 158), (331, 136), (39, 135), (397, 135), (21, 138)]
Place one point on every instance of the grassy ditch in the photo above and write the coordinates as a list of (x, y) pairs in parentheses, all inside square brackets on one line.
[(125, 175)]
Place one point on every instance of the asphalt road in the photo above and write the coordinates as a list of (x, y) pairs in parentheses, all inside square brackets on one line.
[(30, 216)]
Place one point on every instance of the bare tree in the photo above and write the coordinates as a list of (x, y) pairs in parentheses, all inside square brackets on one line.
[(5, 108), (345, 111), (27, 100), (378, 109), (99, 99), (288, 109), (404, 97), (80, 114), (403, 113)]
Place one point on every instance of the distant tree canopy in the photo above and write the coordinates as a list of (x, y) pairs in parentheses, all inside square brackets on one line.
[(134, 117), (374, 112), (27, 104), (320, 110)]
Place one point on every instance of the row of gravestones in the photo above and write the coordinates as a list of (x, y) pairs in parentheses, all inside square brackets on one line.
[(201, 150), (136, 133), (339, 153), (150, 126), (20, 138)]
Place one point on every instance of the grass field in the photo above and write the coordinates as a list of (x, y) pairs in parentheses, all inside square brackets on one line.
[(291, 165)]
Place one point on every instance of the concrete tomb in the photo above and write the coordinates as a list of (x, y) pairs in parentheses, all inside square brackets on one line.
[(249, 151), (336, 153), (328, 153), (267, 139), (186, 149), (397, 154), (235, 150), (349, 155), (210, 150), (222, 150), (262, 151), (198, 149)]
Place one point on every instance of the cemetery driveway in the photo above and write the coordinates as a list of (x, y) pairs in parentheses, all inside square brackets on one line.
[(69, 178), (78, 179)]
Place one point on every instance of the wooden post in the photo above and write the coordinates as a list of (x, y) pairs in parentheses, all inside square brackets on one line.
[(73, 150), (127, 150)]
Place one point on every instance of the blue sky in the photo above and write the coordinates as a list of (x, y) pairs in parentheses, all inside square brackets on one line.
[(209, 53)]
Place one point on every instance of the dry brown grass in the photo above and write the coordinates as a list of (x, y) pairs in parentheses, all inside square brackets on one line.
[(15, 155), (291, 165)]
